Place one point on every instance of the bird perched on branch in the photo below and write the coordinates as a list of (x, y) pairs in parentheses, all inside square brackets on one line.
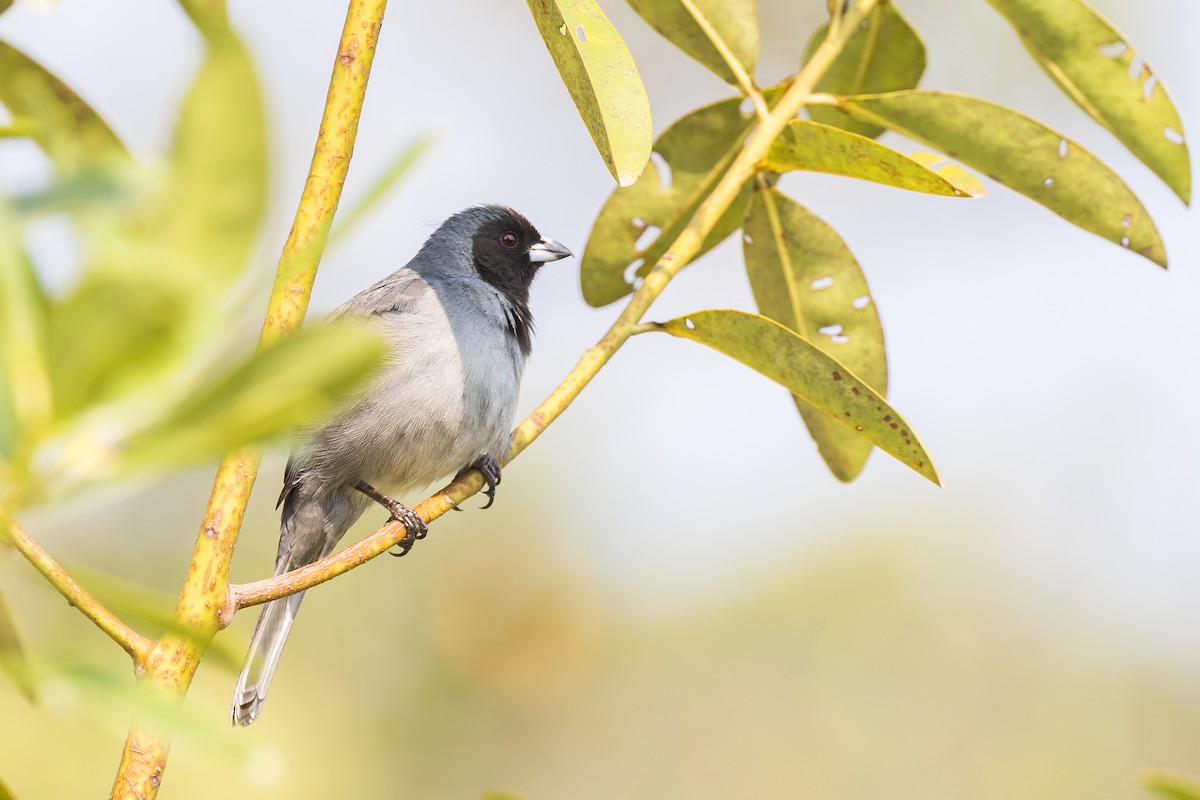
[(457, 322)]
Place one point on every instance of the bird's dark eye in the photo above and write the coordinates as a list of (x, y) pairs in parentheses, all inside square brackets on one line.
[(509, 239)]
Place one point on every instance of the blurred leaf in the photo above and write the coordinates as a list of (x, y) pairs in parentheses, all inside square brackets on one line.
[(13, 658), (804, 369), (603, 80), (404, 160), (735, 21), (154, 609), (696, 151), (23, 367), (88, 187), (1101, 71), (104, 332), (815, 147), (277, 389), (4, 6), (62, 124), (884, 55), (804, 277), (113, 699), (1024, 155), (1172, 786), (493, 795), (217, 192)]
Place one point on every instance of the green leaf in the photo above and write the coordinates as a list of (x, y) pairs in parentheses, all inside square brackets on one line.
[(24, 376), (1095, 65), (277, 389), (83, 190), (148, 608), (4, 6), (13, 658), (735, 21), (5, 794), (111, 698), (1172, 786), (204, 231), (697, 150), (805, 278), (63, 125), (884, 55), (1024, 155), (805, 145), (604, 83), (103, 335), (408, 155), (804, 369)]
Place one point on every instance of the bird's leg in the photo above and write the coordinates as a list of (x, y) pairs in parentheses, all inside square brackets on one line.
[(491, 477), (414, 527)]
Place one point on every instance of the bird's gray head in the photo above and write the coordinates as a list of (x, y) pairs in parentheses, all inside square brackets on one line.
[(496, 244)]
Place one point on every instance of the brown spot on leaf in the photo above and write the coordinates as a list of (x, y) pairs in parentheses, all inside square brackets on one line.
[(837, 376), (854, 391)]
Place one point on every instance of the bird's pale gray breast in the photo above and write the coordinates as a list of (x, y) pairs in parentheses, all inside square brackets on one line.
[(446, 396)]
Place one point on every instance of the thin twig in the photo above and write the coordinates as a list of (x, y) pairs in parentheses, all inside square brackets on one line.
[(130, 640), (685, 247)]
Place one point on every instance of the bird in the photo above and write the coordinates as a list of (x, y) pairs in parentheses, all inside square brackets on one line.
[(458, 330)]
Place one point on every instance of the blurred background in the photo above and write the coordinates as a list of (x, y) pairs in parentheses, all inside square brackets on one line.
[(672, 597)]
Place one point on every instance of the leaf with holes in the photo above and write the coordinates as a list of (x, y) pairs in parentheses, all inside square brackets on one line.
[(14, 659), (603, 81), (811, 146), (804, 277), (638, 222), (1101, 71), (67, 129), (286, 385), (1024, 155), (884, 55), (805, 370), (735, 22)]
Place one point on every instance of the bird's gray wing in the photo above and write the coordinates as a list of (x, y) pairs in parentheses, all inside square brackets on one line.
[(395, 293)]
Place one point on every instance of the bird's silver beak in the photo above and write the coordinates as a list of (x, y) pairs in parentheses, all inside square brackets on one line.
[(548, 250)]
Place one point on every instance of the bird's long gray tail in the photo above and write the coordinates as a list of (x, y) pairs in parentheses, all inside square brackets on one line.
[(266, 646)]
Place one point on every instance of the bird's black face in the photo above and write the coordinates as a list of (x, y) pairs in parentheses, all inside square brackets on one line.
[(508, 251)]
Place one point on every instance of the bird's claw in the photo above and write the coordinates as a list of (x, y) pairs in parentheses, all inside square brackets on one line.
[(414, 528), (491, 478)]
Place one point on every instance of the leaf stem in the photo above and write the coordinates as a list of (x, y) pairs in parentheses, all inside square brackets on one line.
[(171, 663), (130, 640), (684, 248), (735, 66)]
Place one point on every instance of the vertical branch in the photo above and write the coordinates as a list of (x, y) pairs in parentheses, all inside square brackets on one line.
[(169, 666)]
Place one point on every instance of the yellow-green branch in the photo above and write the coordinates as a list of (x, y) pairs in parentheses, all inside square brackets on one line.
[(674, 259), (130, 640), (170, 663)]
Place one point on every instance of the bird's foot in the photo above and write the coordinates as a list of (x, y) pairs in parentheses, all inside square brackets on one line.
[(414, 527), (491, 477)]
